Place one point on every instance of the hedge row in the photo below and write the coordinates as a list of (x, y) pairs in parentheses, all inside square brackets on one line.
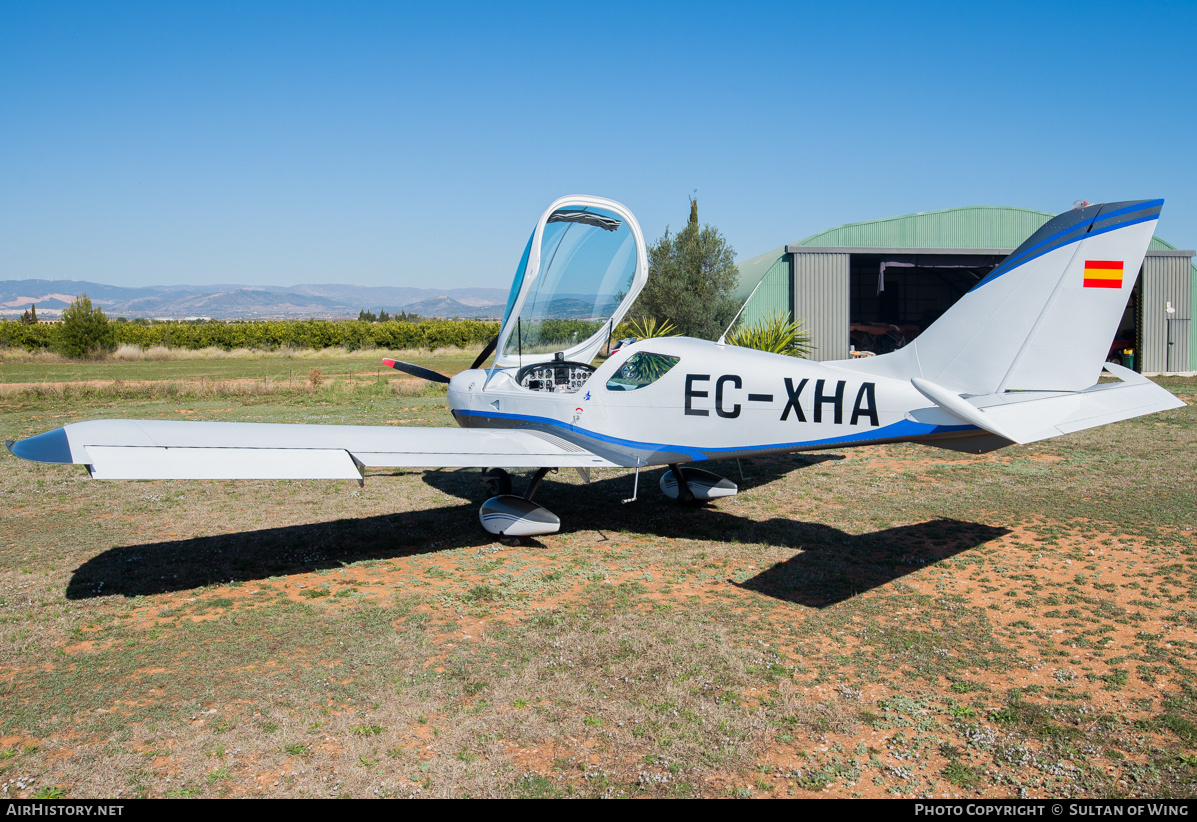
[(270, 334)]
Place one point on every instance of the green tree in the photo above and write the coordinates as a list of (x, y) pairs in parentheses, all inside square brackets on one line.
[(30, 315), (691, 281), (84, 330)]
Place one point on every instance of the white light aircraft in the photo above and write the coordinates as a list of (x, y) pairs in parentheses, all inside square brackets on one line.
[(1017, 359)]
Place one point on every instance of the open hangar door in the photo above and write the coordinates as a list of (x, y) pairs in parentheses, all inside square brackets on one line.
[(861, 302), (894, 297)]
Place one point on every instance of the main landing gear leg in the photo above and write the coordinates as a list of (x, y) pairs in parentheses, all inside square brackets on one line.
[(684, 495), (534, 483), (496, 481)]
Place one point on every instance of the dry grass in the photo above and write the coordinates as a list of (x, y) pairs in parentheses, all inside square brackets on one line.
[(160, 353), (20, 355), (313, 384)]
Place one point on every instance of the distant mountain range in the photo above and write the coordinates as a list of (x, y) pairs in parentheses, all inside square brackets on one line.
[(242, 302)]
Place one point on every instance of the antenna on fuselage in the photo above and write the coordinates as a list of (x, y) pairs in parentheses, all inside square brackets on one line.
[(721, 340)]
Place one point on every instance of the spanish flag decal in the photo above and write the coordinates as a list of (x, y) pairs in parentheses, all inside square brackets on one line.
[(1103, 274)]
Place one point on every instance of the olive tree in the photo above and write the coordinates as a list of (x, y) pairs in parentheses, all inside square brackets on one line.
[(691, 282)]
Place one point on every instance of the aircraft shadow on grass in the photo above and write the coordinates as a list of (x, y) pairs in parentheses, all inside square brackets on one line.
[(833, 566), (830, 565)]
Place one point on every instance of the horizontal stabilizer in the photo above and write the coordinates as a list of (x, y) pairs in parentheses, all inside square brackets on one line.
[(956, 404), (1029, 416), (172, 449)]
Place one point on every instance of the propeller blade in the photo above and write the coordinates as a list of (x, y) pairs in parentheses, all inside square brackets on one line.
[(490, 346), (414, 370)]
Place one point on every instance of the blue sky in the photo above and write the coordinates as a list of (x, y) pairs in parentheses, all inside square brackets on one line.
[(416, 144)]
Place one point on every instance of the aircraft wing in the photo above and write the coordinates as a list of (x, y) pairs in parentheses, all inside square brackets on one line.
[(1029, 416), (170, 449)]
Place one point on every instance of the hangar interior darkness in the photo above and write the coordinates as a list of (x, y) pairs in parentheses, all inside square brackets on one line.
[(917, 288), (888, 312)]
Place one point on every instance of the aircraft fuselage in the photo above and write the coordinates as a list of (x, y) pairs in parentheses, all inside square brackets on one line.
[(718, 401)]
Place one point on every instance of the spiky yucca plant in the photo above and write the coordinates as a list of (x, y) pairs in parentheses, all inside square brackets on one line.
[(775, 334), (648, 328)]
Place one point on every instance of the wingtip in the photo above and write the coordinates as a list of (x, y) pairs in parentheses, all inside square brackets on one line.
[(51, 446)]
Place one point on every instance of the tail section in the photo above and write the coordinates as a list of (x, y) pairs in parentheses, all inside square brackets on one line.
[(1020, 354), (1043, 319)]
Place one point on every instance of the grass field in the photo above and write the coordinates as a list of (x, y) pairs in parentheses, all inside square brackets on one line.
[(886, 621), (288, 369)]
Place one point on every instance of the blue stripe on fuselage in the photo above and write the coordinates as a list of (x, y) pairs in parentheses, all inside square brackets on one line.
[(903, 429)]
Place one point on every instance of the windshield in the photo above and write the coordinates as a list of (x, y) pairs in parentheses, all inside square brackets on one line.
[(587, 262), (519, 279)]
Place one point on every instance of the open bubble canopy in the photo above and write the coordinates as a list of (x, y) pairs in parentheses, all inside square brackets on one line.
[(582, 269)]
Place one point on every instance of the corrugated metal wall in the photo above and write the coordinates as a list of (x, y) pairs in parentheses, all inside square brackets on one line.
[(821, 301), (775, 294), (1192, 317), (1165, 280)]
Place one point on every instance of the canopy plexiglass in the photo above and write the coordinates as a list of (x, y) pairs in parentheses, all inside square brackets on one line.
[(581, 271)]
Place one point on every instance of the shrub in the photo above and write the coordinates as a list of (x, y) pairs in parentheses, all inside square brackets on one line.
[(269, 335), (648, 328), (775, 334), (84, 330)]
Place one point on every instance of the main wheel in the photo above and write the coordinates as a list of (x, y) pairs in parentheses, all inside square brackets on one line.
[(496, 481)]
